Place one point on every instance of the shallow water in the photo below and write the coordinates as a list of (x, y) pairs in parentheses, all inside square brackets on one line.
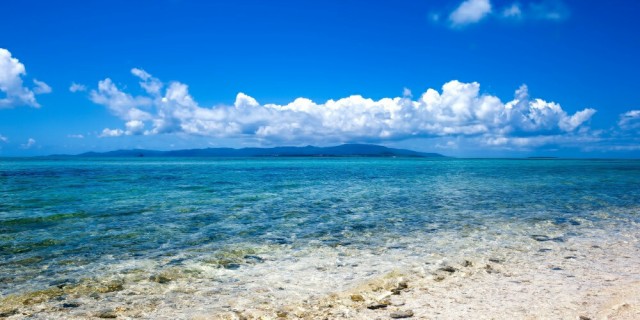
[(168, 234)]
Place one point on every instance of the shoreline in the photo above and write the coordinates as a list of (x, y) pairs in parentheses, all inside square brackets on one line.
[(536, 277), (591, 282)]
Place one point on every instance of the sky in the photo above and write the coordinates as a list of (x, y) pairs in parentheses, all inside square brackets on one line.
[(474, 78)]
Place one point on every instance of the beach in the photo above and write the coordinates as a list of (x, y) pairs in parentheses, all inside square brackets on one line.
[(316, 239)]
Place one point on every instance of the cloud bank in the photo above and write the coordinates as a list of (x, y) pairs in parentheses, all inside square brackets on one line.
[(456, 110), (11, 84)]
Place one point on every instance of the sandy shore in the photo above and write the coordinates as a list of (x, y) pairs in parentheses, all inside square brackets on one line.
[(586, 280), (481, 277)]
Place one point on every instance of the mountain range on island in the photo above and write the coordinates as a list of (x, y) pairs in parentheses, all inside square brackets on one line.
[(345, 150)]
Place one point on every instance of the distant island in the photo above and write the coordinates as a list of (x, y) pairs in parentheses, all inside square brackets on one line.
[(345, 150)]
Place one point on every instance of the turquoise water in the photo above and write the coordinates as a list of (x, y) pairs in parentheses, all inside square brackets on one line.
[(86, 218)]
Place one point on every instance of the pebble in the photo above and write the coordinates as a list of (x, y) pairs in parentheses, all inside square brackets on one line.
[(70, 305), (402, 285), (357, 298), (584, 318), (376, 306), (106, 314), (449, 269), (402, 314)]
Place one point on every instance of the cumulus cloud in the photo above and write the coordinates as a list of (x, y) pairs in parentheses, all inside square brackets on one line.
[(470, 11), (76, 136), (11, 84), (121, 104), (4, 139), (458, 109), (30, 143), (111, 133), (76, 87)]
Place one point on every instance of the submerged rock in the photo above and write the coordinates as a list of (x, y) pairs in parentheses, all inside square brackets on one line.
[(112, 287), (253, 259), (231, 266), (401, 314), (9, 313), (62, 283), (160, 279), (539, 237)]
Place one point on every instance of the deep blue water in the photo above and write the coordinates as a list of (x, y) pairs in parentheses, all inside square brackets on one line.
[(60, 218)]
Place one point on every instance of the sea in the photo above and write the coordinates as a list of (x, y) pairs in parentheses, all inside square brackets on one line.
[(176, 237)]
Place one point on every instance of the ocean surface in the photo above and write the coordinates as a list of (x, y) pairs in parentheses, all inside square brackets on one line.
[(165, 235)]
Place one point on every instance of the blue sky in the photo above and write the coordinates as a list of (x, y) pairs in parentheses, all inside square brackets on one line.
[(463, 78)]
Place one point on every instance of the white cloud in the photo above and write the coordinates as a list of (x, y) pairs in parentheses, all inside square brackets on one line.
[(470, 11), (474, 11), (41, 87), (134, 127), (75, 136), (111, 133), (150, 84), (630, 120), (76, 87), (512, 11), (458, 109), (12, 86), (121, 104), (30, 143), (4, 139)]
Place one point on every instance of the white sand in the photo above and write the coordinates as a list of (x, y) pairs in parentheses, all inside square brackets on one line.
[(510, 276)]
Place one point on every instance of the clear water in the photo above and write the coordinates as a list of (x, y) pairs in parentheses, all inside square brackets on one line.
[(92, 219)]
